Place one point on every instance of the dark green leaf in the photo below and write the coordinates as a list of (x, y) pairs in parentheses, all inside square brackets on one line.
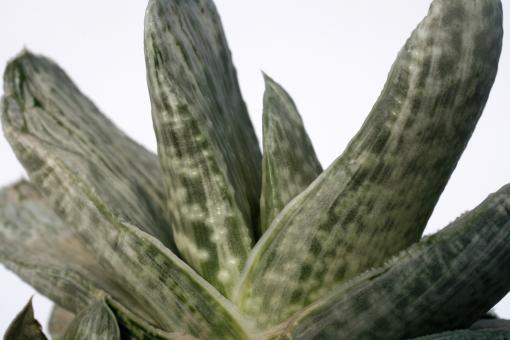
[(24, 326)]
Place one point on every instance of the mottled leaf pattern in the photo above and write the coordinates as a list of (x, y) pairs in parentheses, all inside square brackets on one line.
[(24, 326), (125, 175), (446, 281), (43, 251), (289, 163), (97, 322), (145, 270), (376, 198), (60, 319), (206, 143)]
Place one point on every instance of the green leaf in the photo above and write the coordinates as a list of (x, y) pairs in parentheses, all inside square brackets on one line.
[(446, 281), (206, 143), (42, 250), (467, 334), (24, 326), (124, 174), (134, 265), (60, 319), (289, 163), (97, 322), (375, 199)]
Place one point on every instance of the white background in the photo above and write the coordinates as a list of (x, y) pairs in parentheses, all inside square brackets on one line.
[(332, 56)]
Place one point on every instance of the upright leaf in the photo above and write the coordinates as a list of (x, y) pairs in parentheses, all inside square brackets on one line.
[(376, 198), (24, 326), (147, 272), (60, 319), (94, 323), (206, 143), (289, 163), (446, 281)]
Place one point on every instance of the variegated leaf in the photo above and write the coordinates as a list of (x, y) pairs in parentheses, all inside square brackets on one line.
[(43, 251), (147, 272), (206, 143), (446, 281), (376, 198), (97, 322), (60, 319), (25, 326), (124, 174), (289, 163)]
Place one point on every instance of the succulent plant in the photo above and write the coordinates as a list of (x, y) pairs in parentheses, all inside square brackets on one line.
[(214, 240)]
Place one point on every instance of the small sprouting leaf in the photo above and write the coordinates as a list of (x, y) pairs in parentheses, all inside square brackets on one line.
[(206, 143), (97, 322), (124, 174), (289, 163), (137, 269), (24, 326), (446, 281), (60, 319), (375, 199)]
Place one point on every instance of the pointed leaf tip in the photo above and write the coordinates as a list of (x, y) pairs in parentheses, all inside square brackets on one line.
[(25, 326), (289, 162)]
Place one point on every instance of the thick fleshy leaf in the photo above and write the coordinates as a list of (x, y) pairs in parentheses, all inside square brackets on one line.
[(25, 326), (206, 143), (60, 319), (137, 265), (124, 174), (43, 251), (467, 334), (97, 322), (375, 199), (289, 163), (446, 281)]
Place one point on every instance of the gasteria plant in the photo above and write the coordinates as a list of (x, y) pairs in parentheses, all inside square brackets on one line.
[(215, 241)]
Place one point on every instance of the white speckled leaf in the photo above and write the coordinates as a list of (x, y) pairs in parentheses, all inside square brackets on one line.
[(147, 271), (124, 174), (60, 319), (25, 326), (206, 143), (289, 163), (44, 252), (376, 198), (96, 322), (446, 281)]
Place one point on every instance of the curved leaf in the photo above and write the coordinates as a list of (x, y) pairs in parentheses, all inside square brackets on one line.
[(124, 174), (206, 143), (289, 163), (446, 281), (375, 199), (147, 272), (97, 322)]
